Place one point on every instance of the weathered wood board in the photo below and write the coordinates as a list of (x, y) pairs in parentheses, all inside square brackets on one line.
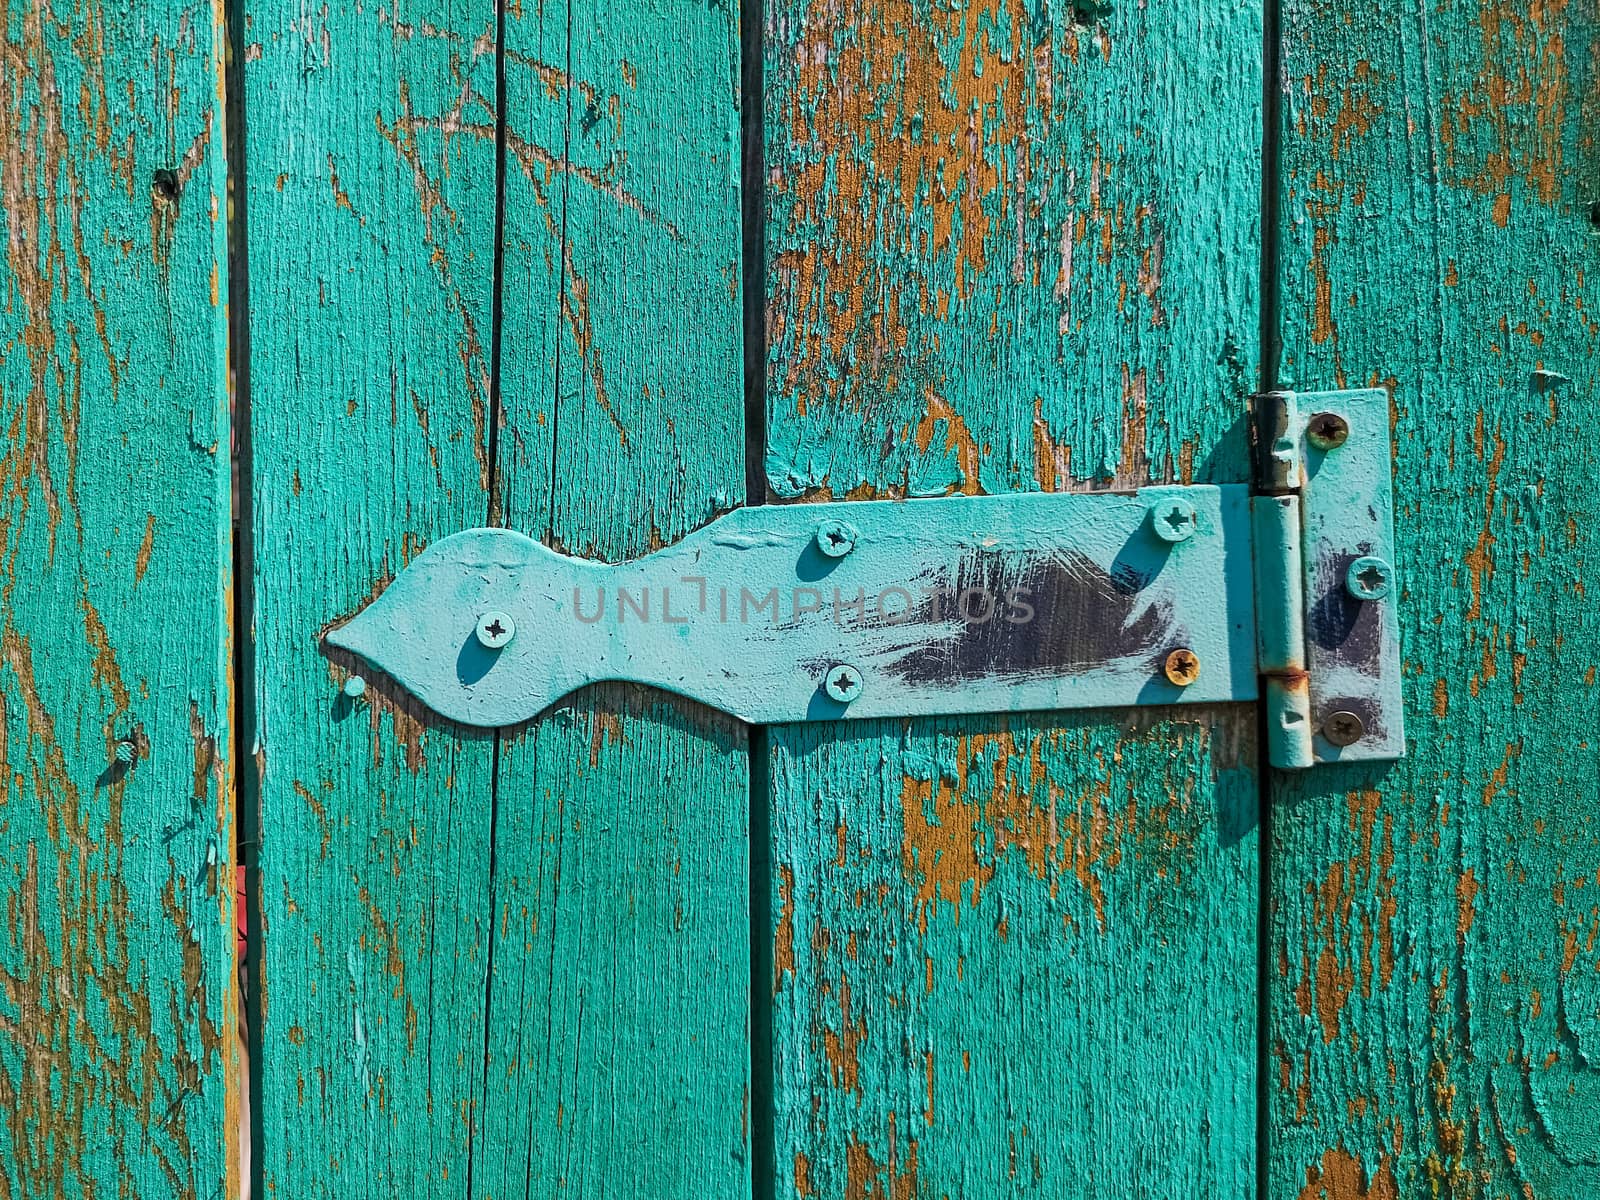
[(1005, 253), (1433, 956), (119, 1069), (371, 220), (618, 1058), (493, 966)]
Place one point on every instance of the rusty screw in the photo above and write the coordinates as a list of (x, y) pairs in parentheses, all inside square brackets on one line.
[(1182, 667), (1344, 728), (1173, 520), (836, 538), (1327, 431), (495, 629), (843, 683)]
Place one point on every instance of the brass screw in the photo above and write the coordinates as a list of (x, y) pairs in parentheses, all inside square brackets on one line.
[(1327, 431), (1182, 667)]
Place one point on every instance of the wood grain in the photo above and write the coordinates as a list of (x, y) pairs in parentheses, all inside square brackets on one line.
[(514, 966), (118, 1011), (1005, 253), (371, 235), (618, 1056), (1433, 955)]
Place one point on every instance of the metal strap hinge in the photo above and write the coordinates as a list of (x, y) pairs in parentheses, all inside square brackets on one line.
[(1327, 630), (978, 604)]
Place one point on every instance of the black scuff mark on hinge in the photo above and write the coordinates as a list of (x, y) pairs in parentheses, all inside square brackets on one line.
[(1039, 615)]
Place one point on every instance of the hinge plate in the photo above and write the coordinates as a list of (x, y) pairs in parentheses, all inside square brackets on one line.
[(958, 605), (1352, 599), (983, 604)]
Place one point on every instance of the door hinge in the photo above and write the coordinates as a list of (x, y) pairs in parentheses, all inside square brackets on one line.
[(1012, 603), (1328, 629)]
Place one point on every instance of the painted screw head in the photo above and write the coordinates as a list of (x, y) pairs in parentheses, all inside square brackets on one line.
[(843, 683), (1369, 578), (495, 629), (355, 687), (125, 752), (1173, 520), (836, 538), (1327, 431), (1344, 728), (1182, 667)]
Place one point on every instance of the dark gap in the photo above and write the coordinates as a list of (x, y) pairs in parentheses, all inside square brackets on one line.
[(497, 510), (753, 211), (1594, 214), (247, 784), (497, 304), (753, 219), (1271, 379), (1271, 111), (1263, 954), (763, 1156), (560, 294), (488, 964)]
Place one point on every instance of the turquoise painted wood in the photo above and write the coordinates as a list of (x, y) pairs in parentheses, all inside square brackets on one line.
[(1011, 958), (618, 1004), (119, 1063), (371, 225), (1432, 953), (493, 965)]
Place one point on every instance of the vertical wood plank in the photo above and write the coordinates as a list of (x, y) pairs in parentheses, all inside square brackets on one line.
[(1004, 252), (618, 1059), (118, 1005), (370, 156), (1434, 960)]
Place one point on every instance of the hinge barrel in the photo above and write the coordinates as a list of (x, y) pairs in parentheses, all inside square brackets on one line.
[(1281, 630)]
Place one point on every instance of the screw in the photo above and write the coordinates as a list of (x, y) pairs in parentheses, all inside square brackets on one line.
[(1173, 520), (1327, 431), (843, 683), (495, 629), (1182, 667), (836, 538), (125, 752), (355, 687), (1369, 578), (1344, 728)]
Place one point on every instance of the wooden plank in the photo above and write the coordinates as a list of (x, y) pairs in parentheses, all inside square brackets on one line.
[(1434, 960), (370, 158), (1004, 253), (618, 1059), (119, 1056)]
